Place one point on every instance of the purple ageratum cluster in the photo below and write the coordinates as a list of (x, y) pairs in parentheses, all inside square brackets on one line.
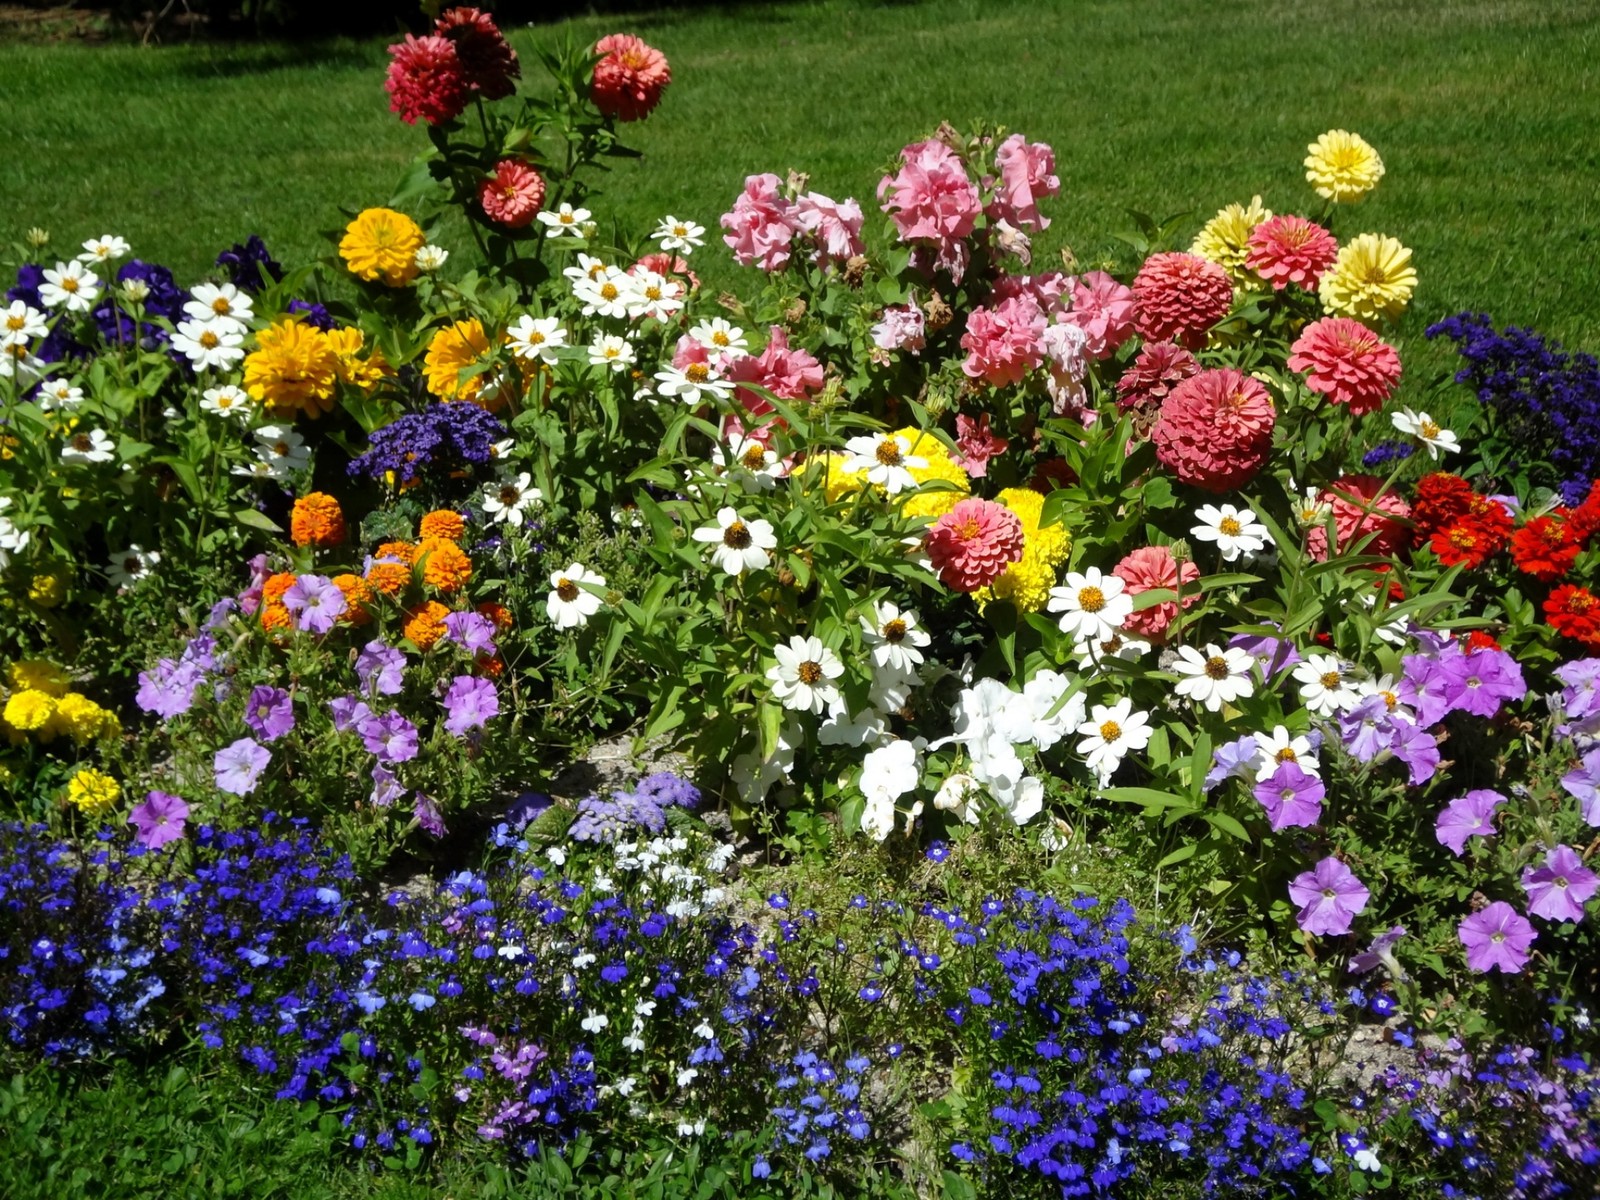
[(1546, 401), (249, 265), (644, 807), (442, 439), (1387, 452)]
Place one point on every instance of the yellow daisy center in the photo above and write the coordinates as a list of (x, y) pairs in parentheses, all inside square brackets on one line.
[(1217, 667), (1230, 526), (888, 452), (1091, 599), (566, 589), (1110, 731), (894, 631), (809, 672), (697, 373)]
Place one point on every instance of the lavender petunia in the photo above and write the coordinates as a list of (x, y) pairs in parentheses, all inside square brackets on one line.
[(168, 691), (1364, 728), (391, 737), (382, 668), (1580, 697), (1232, 760), (316, 603), (1273, 652), (238, 767), (1582, 783), (1489, 678), (1497, 939), (1414, 746), (349, 712), (1380, 951), (472, 631), (1559, 889), (1428, 687), (159, 820), (1467, 816), (269, 712), (428, 816), (1292, 797), (1329, 896), (469, 704), (386, 789)]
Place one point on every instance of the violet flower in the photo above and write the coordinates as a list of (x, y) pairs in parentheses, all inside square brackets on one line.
[(1364, 728), (1582, 783), (238, 767), (269, 712), (1329, 896), (1232, 760), (1497, 938), (1467, 816), (1292, 797), (349, 712), (386, 789), (469, 704), (168, 691), (391, 737), (159, 820), (1380, 951), (316, 602), (472, 631), (1581, 696), (1559, 889), (428, 816), (382, 668), (1414, 746)]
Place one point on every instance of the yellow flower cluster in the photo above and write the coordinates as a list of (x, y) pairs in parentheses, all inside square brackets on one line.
[(1342, 166), (41, 705), (1027, 582), (296, 366), (1372, 277), (452, 350), (92, 792), (933, 503), (382, 244), (1225, 239)]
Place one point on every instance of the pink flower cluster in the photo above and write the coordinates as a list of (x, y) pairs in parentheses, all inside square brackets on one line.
[(1104, 310), (435, 77), (1003, 344), (1360, 508), (1027, 173), (932, 202), (1179, 297), (789, 374), (763, 224), (1215, 429)]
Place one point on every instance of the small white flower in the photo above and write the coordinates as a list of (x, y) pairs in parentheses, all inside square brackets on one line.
[(608, 295), (625, 1086), (1427, 431), (91, 447), (595, 1022), (582, 959), (894, 637), (644, 1008), (1366, 1160), (572, 601), (686, 1076), (15, 360), (751, 463), (536, 339), (740, 545), (1109, 733), (218, 302), (226, 401), (839, 728), (633, 1043), (107, 248), (132, 565), (804, 674), (1323, 685), (556, 856), (720, 337), (565, 220), (886, 459), (1214, 677), (1280, 746), (510, 952), (610, 350), (1092, 605), (1235, 530), (704, 1032), (282, 448), (59, 393), (71, 286), (887, 773), (1311, 508), (654, 296), (693, 383), (1094, 653), (430, 257), (691, 1128), (217, 343), (20, 323), (134, 291), (682, 236), (506, 501)]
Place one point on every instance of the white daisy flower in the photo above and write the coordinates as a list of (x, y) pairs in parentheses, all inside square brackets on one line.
[(1323, 685), (536, 339), (1427, 431), (1280, 746), (1109, 733), (1094, 652), (1214, 677), (693, 383), (282, 449), (91, 447), (218, 343), (654, 296), (71, 286), (226, 400), (718, 336), (105, 249), (751, 463), (132, 565), (1093, 605), (134, 291), (894, 637), (12, 539), (682, 236), (1235, 530), (608, 295), (219, 302), (507, 500), (16, 360), (20, 323), (566, 220), (430, 257), (59, 393), (803, 677), (610, 350), (1311, 508), (887, 460), (740, 545), (572, 600)]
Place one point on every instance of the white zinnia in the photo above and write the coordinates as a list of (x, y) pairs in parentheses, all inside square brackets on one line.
[(605, 295), (536, 339), (1323, 685), (20, 323), (682, 236), (107, 248), (894, 637), (91, 447), (132, 565), (1280, 746), (227, 400), (754, 466), (693, 383), (1109, 733), (1215, 677), (718, 336), (565, 220), (740, 545), (430, 257), (610, 350), (218, 302), (59, 393), (1427, 431), (506, 500), (1092, 605), (886, 459), (653, 295), (71, 285), (1235, 530), (217, 343), (804, 674), (571, 601)]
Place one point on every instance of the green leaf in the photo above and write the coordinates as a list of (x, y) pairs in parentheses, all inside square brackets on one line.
[(256, 520), (1149, 797)]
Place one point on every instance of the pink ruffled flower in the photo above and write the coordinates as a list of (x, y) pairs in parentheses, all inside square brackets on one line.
[(689, 352), (787, 374), (1215, 430), (931, 200), (1154, 567), (513, 195), (1050, 288), (977, 444), (761, 225), (901, 329), (1027, 173), (426, 80), (670, 265), (1347, 362), (971, 545), (1103, 309), (1160, 367), (629, 78), (1002, 345), (1065, 350), (1291, 249), (1179, 297), (1361, 507), (837, 227)]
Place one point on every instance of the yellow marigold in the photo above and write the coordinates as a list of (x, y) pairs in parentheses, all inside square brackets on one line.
[(389, 578), (40, 676), (1051, 543), (442, 523), (1372, 277), (444, 564), (1225, 239), (292, 370), (358, 594), (382, 244), (425, 624), (82, 719), (93, 792), (48, 588), (30, 711), (828, 470), (931, 504), (453, 349), (317, 520), (1342, 166), (1026, 583), (364, 373)]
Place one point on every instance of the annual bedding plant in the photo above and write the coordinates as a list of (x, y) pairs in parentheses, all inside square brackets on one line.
[(1116, 744)]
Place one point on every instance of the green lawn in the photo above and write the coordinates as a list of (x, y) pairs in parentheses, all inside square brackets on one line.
[(1484, 113)]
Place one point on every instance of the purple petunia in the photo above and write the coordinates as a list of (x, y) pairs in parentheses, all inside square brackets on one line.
[(1559, 889), (1292, 797), (1488, 678), (1582, 783), (168, 691), (472, 631), (238, 767), (386, 789), (1232, 760), (316, 603), (1580, 697), (1414, 746), (349, 712), (159, 820), (1467, 816), (1329, 896), (269, 712), (469, 704), (1381, 951), (391, 737), (382, 668), (1364, 728), (428, 816), (1497, 938)]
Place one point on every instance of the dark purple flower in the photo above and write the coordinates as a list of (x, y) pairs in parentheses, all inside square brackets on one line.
[(248, 262), (428, 816), (238, 767), (349, 712), (316, 602), (269, 712), (391, 737), (382, 668), (1468, 816), (525, 808), (1497, 939), (1329, 896), (1559, 889), (469, 704), (158, 820), (444, 438), (313, 314), (1292, 797)]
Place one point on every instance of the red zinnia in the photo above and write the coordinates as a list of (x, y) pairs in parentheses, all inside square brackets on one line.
[(1584, 521), (1347, 362), (1474, 537), (1574, 612), (426, 80), (1160, 367), (1442, 499), (1178, 297), (629, 78), (1291, 249), (1544, 548), (513, 194), (972, 544), (1215, 429), (1361, 508), (1479, 640), (489, 63)]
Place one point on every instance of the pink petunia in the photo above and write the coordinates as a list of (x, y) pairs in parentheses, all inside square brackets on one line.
[(1002, 345), (1027, 173), (835, 226), (762, 224)]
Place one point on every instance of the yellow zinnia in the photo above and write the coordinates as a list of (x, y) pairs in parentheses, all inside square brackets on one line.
[(1342, 166), (382, 244), (1026, 583), (30, 711), (452, 349), (364, 373), (828, 469), (1225, 239), (82, 719), (294, 369), (93, 792), (39, 675), (1372, 277), (47, 589)]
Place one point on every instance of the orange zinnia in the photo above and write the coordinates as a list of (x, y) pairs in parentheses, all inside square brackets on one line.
[(357, 595), (316, 520), (442, 523), (425, 624), (389, 578), (444, 564)]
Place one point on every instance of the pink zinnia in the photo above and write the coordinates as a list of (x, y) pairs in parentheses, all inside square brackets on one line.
[(426, 80), (1361, 507), (513, 195), (789, 374), (1215, 429), (761, 224), (489, 63), (1027, 172), (1103, 309), (977, 444), (931, 200), (1160, 367), (1291, 249), (1347, 362), (1497, 939), (835, 226), (1178, 297), (1154, 567), (629, 78), (972, 544), (1003, 345)]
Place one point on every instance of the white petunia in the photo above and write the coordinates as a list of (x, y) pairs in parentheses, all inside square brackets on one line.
[(959, 794), (1092, 605), (1214, 677), (132, 565), (59, 393), (91, 447), (1109, 733), (217, 343), (682, 236), (887, 773), (740, 545), (107, 248), (21, 323), (1235, 530), (572, 600), (71, 286), (1280, 746), (1323, 685), (612, 351), (720, 337), (804, 674), (894, 637), (507, 500), (565, 220), (693, 384), (887, 460), (227, 400), (1427, 431), (839, 728), (430, 257), (536, 339), (218, 302)]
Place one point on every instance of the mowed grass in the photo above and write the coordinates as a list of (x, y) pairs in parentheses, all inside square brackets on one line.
[(1484, 113)]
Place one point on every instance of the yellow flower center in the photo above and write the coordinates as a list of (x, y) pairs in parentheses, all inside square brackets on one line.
[(652, 293), (69, 284), (1110, 732), (510, 495), (888, 452), (1329, 679), (720, 339), (608, 291), (222, 306), (81, 441), (1217, 667), (697, 373), (1285, 755), (809, 672), (210, 340), (736, 536), (1091, 599), (535, 338), (681, 230), (14, 322), (1430, 430), (566, 218), (754, 456), (566, 589), (894, 631), (1230, 526)]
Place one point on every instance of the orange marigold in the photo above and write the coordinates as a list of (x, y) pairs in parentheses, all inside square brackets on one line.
[(444, 564), (317, 520), (404, 551), (389, 578), (498, 613), (357, 596), (425, 624), (272, 591), (442, 523), (274, 617)]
